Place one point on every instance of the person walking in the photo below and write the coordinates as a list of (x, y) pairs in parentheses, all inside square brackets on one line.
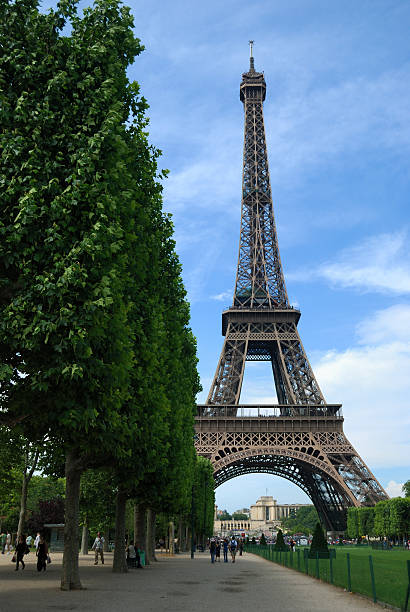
[(42, 554), (3, 542), (98, 547), (21, 549), (8, 542), (240, 547), (131, 555), (218, 551), (225, 547), (37, 540), (212, 549), (233, 547), (29, 540)]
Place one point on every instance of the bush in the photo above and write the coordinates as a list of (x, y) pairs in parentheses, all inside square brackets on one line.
[(319, 542), (280, 542)]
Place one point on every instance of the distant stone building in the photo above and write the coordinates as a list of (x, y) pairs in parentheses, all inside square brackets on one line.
[(265, 516)]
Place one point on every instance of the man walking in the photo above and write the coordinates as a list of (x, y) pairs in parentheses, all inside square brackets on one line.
[(98, 547), (234, 546), (212, 550), (225, 546), (2, 542)]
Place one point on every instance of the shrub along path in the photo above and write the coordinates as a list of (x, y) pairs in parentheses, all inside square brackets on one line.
[(173, 584)]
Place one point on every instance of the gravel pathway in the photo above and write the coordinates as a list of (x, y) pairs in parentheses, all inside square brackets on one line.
[(176, 584)]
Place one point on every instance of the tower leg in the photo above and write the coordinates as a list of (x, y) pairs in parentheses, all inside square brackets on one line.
[(227, 383)]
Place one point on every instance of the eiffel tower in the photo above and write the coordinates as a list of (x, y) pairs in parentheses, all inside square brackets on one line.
[(301, 438)]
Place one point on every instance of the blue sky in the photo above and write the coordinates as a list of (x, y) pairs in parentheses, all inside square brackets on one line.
[(337, 119)]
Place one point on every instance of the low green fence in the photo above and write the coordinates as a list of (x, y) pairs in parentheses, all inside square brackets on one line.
[(382, 578)]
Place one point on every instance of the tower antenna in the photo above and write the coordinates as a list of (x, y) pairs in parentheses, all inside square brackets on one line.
[(252, 61)]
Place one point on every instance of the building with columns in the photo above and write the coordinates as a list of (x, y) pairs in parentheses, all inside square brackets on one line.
[(265, 516)]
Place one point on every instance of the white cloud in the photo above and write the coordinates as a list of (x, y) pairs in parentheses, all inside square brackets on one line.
[(222, 297), (386, 325), (379, 263), (314, 124), (372, 382), (394, 489), (307, 126)]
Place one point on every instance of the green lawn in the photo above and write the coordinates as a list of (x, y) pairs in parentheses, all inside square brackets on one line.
[(390, 570)]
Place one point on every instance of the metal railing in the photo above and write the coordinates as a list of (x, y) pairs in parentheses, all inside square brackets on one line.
[(273, 411)]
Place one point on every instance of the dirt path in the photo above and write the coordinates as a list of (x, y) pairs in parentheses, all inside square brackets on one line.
[(175, 584)]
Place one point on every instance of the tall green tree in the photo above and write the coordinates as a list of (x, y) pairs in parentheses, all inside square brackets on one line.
[(382, 525), (366, 520), (304, 520), (69, 226), (353, 522), (204, 498)]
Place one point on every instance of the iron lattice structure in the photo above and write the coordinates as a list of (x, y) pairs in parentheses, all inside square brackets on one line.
[(302, 437)]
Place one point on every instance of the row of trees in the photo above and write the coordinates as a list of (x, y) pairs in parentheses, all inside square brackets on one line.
[(236, 516), (97, 361), (390, 518), (303, 520)]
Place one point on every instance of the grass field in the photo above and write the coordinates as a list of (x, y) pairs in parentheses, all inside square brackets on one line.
[(390, 570)]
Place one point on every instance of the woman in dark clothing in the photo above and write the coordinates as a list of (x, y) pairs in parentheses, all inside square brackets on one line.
[(21, 548), (42, 554), (212, 550)]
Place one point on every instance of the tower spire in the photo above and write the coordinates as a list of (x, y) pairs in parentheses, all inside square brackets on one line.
[(252, 61)]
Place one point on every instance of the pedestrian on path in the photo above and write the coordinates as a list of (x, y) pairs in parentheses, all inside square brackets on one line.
[(98, 547), (240, 547), (212, 549), (8, 542), (233, 547), (225, 547), (131, 555), (218, 551), (3, 542), (37, 540), (42, 554), (21, 549)]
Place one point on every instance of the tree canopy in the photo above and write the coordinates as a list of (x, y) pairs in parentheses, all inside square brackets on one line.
[(96, 353)]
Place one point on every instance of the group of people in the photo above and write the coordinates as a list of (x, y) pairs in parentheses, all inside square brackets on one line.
[(215, 545), (22, 548), (133, 556)]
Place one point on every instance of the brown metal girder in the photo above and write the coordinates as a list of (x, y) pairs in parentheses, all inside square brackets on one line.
[(250, 315), (266, 424), (312, 462)]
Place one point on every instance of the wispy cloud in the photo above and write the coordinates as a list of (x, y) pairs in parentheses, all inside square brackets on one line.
[(379, 263), (306, 129), (317, 123), (385, 326), (372, 382), (222, 297), (395, 489)]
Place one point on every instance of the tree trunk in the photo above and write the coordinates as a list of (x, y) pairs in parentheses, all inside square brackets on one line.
[(180, 530), (140, 527), (151, 539), (106, 540), (84, 539), (120, 564), (171, 532), (70, 578), (150, 550), (23, 506)]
